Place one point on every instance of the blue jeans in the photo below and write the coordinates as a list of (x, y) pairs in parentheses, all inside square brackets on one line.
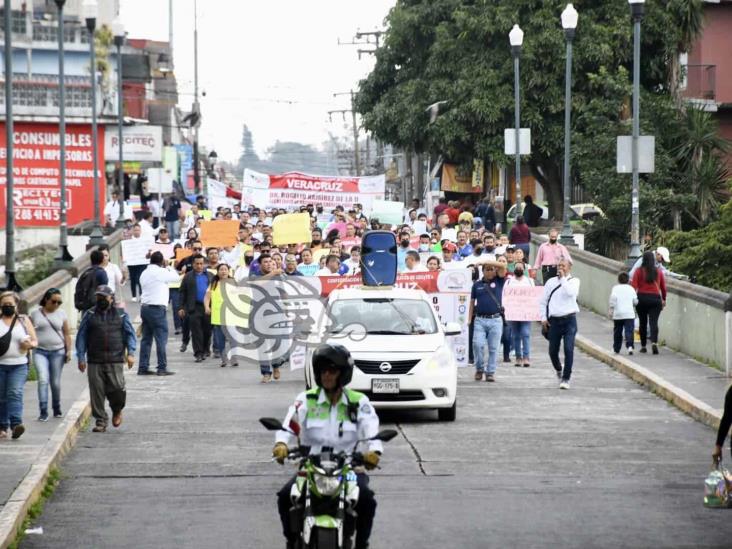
[(486, 331), (175, 305), (154, 325), (12, 379), (507, 341), (521, 339), (174, 229), (219, 339), (626, 326), (49, 365), (562, 328)]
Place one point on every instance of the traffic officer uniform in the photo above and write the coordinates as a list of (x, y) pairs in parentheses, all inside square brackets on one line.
[(338, 427)]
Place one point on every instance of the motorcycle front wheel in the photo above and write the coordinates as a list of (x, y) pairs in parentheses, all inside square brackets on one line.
[(324, 538)]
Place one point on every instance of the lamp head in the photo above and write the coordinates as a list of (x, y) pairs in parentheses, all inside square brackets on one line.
[(213, 157), (89, 12), (516, 37), (569, 18), (637, 8), (118, 29)]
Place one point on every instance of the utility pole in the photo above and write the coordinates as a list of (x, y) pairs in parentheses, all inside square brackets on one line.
[(352, 110), (196, 106)]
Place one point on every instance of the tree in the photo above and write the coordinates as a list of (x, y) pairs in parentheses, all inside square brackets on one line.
[(249, 158), (458, 51)]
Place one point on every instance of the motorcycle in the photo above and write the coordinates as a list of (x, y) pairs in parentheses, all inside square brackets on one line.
[(325, 492)]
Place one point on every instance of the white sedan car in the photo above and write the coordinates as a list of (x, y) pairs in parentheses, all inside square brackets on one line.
[(401, 351)]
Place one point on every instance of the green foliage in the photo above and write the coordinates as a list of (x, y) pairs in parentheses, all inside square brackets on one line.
[(36, 267), (705, 254), (36, 509)]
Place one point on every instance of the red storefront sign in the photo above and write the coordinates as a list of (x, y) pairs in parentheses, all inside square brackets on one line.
[(37, 185), (423, 281)]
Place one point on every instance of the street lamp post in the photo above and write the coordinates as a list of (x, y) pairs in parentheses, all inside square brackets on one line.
[(63, 258), (118, 31), (516, 38), (89, 9), (212, 159), (637, 10), (10, 282), (569, 24)]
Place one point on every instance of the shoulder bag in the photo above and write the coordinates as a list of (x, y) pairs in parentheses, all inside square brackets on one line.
[(60, 334), (7, 337), (545, 328)]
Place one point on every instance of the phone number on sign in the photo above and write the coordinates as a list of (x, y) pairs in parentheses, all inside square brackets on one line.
[(26, 214)]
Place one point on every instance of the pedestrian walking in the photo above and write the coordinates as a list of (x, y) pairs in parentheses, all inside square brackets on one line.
[(173, 215), (53, 351), (88, 281), (17, 337), (155, 297), (136, 266), (532, 212), (193, 289), (650, 284), (559, 310), (486, 311), (520, 236), (521, 330), (104, 342), (547, 258), (623, 301), (268, 272), (213, 302)]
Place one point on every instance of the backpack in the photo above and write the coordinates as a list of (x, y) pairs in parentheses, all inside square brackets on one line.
[(84, 297)]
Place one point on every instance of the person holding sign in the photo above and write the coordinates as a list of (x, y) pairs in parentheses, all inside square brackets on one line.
[(521, 330)]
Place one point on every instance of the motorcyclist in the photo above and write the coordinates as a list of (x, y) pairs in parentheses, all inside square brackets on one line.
[(332, 416)]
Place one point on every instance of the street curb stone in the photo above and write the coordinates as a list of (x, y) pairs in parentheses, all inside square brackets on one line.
[(685, 402), (29, 490)]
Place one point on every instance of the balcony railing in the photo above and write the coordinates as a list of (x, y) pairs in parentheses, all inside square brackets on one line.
[(41, 90), (701, 82)]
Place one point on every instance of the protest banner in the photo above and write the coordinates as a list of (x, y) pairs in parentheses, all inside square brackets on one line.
[(165, 249), (134, 250), (420, 228), (219, 233), (291, 229), (388, 212), (182, 253), (37, 185), (522, 303), (293, 189)]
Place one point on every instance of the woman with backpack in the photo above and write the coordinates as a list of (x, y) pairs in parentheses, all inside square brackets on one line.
[(650, 285), (53, 351), (17, 337)]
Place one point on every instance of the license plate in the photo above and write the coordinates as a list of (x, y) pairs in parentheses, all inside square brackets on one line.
[(390, 386)]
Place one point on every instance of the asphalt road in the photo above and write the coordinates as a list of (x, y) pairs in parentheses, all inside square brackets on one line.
[(606, 464)]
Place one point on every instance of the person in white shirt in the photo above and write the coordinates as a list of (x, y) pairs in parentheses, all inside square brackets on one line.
[(448, 253), (520, 329), (155, 296), (332, 266), (354, 262), (623, 300), (113, 209), (115, 276), (146, 226), (412, 263), (559, 310)]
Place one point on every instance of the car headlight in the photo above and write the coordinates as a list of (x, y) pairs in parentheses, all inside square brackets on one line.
[(326, 485), (442, 358)]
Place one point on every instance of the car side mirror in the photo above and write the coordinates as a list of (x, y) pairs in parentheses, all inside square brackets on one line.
[(453, 329), (386, 435), (272, 424)]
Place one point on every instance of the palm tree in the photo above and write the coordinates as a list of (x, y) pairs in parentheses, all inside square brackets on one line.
[(711, 186)]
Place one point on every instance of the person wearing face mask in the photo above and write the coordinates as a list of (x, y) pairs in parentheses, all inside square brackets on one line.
[(520, 330), (402, 250), (17, 337), (424, 243), (104, 342), (548, 256)]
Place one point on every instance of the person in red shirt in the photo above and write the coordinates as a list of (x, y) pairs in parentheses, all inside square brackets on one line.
[(441, 207), (650, 285), (520, 236), (453, 212)]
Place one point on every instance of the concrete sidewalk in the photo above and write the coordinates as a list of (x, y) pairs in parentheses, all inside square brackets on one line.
[(694, 387)]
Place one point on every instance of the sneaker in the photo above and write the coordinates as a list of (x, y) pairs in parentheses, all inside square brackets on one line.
[(266, 378), (183, 348), (99, 428), (276, 373), (478, 376), (216, 354), (490, 378), (43, 417), (198, 358), (564, 385), (643, 350), (223, 363), (18, 430), (134, 300), (58, 414), (654, 348), (630, 351), (234, 364)]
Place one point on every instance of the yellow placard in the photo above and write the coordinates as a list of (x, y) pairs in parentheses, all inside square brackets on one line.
[(206, 214), (291, 229), (219, 233), (182, 253)]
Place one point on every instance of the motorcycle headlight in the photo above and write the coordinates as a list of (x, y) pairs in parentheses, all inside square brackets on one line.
[(442, 358), (326, 485)]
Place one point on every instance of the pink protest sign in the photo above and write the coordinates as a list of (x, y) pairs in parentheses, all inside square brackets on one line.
[(522, 302)]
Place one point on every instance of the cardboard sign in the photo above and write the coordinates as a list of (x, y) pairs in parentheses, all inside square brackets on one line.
[(165, 249), (420, 227), (522, 302), (220, 233), (291, 229), (449, 234), (205, 214), (134, 250), (182, 253)]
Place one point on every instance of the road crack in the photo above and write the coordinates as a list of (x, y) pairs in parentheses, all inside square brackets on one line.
[(414, 449)]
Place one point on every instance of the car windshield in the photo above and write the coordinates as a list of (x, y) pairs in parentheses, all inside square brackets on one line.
[(382, 316)]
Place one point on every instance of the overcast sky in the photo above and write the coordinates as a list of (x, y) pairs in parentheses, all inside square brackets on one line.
[(272, 64)]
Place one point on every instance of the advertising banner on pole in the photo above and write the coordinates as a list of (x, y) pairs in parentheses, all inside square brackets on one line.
[(141, 143), (293, 189), (37, 184)]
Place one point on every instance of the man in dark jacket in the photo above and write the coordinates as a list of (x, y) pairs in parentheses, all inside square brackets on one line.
[(487, 214), (532, 212), (192, 292), (105, 341)]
